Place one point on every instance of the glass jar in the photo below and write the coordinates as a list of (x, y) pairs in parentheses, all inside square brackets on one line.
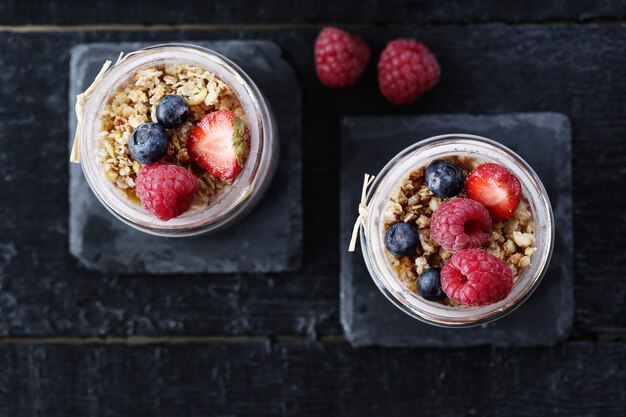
[(248, 187), (372, 233)]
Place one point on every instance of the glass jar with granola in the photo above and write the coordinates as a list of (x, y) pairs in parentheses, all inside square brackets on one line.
[(458, 231), (176, 140)]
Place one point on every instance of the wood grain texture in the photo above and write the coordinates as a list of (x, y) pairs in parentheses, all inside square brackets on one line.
[(311, 379), (16, 12), (487, 69)]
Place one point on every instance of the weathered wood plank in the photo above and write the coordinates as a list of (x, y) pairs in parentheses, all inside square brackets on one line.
[(580, 379), (15, 12), (577, 70)]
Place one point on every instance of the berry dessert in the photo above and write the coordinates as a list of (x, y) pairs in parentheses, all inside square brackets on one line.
[(173, 138), (340, 58), (459, 231)]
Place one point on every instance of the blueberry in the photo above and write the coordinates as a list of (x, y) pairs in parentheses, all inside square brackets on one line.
[(401, 239), (148, 143), (172, 111), (444, 178), (429, 284)]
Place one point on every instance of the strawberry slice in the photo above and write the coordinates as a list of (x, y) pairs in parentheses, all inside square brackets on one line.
[(220, 143), (496, 188)]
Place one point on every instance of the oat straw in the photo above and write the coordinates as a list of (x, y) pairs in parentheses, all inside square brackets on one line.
[(360, 221), (81, 103)]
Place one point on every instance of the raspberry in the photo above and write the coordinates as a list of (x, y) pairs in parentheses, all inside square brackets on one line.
[(166, 191), (340, 58), (474, 277), (406, 70), (460, 223)]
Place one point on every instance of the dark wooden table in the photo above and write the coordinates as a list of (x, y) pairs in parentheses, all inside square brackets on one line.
[(75, 343)]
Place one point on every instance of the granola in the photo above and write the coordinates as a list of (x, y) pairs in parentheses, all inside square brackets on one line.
[(135, 102), (412, 202)]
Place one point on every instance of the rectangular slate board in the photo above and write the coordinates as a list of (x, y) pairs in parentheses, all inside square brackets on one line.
[(267, 240), (544, 141)]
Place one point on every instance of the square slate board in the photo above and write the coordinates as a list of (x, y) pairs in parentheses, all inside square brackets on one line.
[(544, 140), (102, 242)]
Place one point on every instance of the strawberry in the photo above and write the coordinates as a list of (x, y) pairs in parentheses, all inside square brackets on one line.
[(220, 143), (496, 188)]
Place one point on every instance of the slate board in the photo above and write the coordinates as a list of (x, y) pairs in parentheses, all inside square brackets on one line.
[(544, 141), (268, 240)]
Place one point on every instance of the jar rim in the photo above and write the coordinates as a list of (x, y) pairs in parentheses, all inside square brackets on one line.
[(233, 200), (419, 154)]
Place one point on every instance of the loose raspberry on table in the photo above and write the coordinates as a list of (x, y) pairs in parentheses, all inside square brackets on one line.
[(474, 277), (340, 58), (167, 191), (460, 223), (406, 70)]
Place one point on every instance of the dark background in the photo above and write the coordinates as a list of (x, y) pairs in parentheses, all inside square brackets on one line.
[(77, 343)]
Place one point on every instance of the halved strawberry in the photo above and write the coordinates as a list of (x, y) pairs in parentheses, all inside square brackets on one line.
[(496, 188), (220, 143)]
